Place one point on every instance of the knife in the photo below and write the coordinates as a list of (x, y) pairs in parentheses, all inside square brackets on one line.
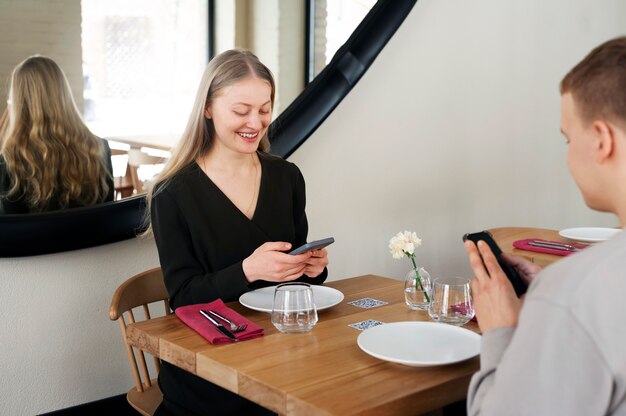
[(219, 326), (554, 246)]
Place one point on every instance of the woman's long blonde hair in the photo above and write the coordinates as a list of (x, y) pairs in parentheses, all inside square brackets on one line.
[(225, 69), (50, 154)]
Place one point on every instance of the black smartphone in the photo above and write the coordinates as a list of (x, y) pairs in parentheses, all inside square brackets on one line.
[(518, 283), (313, 245)]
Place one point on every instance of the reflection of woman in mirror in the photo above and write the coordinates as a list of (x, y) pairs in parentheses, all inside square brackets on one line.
[(224, 212), (49, 159)]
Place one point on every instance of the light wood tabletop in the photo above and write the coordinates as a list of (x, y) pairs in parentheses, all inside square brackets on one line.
[(155, 142), (322, 372), (505, 236)]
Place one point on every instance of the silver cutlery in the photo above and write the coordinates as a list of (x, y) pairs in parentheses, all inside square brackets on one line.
[(554, 245), (219, 326), (233, 327)]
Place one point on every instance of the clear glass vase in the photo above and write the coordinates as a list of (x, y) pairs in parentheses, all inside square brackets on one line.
[(417, 289)]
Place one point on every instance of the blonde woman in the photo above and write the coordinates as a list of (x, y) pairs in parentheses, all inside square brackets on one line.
[(224, 212), (49, 159)]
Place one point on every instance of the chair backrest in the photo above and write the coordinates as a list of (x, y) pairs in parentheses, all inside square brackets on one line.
[(137, 158), (138, 291), (123, 185)]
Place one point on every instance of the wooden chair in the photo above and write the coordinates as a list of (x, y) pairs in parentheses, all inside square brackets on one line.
[(137, 158), (123, 185), (140, 290)]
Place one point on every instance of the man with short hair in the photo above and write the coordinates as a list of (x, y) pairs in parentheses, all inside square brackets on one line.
[(562, 349)]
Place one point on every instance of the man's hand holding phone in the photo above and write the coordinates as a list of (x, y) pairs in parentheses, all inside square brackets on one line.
[(495, 301), (519, 285), (526, 269)]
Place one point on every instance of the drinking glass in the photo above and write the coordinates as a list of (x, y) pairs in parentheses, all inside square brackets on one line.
[(451, 301), (294, 309)]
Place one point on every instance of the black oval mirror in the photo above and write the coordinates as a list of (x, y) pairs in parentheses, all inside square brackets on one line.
[(56, 231), (71, 229)]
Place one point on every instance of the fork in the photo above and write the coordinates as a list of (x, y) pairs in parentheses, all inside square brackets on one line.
[(554, 245), (233, 327)]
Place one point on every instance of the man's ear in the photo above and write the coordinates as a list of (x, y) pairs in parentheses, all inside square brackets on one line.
[(604, 143)]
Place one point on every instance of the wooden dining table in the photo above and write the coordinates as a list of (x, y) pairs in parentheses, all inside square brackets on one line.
[(159, 143), (322, 372), (127, 184)]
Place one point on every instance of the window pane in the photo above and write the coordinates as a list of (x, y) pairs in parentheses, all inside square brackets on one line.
[(333, 23), (142, 62)]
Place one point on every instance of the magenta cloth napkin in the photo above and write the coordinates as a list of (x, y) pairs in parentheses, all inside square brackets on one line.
[(523, 245), (462, 308), (191, 316)]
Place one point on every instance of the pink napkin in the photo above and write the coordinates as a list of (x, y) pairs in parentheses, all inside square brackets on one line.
[(523, 245), (191, 316), (462, 308)]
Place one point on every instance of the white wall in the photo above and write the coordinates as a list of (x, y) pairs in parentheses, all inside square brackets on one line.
[(59, 348), (454, 128)]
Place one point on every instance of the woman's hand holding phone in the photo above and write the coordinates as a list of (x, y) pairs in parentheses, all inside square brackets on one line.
[(274, 262), (319, 256), (270, 262), (316, 263), (313, 245)]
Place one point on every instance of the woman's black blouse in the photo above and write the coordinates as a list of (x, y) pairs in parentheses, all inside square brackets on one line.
[(203, 238)]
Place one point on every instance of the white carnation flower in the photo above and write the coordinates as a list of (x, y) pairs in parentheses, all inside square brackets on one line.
[(413, 238), (395, 247), (409, 248), (404, 243), (397, 253)]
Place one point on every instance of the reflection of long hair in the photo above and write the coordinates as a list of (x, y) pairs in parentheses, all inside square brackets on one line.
[(50, 154), (225, 69), (4, 125)]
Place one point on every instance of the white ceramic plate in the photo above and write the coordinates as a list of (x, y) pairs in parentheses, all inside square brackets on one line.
[(262, 299), (420, 344), (589, 234)]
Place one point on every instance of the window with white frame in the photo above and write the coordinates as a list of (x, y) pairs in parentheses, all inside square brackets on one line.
[(332, 23), (142, 63)]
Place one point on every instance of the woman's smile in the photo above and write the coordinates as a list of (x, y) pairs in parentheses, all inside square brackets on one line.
[(249, 137)]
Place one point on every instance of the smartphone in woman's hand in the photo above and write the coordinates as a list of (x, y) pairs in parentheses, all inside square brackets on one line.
[(313, 245)]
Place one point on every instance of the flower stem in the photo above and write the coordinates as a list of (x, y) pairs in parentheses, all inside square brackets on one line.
[(418, 279)]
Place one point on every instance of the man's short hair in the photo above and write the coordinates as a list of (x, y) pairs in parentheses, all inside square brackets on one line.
[(598, 83)]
